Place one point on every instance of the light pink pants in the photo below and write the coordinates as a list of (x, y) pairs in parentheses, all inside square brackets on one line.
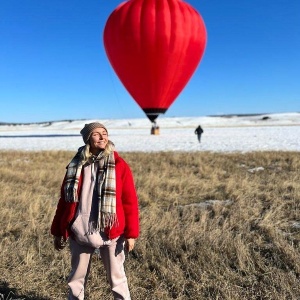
[(113, 258)]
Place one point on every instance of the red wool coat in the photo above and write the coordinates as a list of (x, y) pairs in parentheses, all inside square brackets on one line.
[(126, 202)]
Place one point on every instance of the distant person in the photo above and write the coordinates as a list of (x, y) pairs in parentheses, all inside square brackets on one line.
[(98, 208), (199, 132)]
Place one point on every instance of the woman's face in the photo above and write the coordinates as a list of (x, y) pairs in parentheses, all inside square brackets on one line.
[(98, 140)]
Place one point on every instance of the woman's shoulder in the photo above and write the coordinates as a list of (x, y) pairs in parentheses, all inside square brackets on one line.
[(120, 160)]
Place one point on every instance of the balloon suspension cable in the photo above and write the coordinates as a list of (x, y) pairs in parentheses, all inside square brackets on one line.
[(154, 128), (153, 113)]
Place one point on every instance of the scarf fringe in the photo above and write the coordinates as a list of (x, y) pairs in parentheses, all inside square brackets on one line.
[(109, 220), (106, 221)]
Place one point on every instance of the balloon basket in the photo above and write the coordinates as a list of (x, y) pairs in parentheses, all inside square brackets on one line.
[(155, 131)]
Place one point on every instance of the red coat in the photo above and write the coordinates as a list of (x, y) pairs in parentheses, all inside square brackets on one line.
[(126, 203)]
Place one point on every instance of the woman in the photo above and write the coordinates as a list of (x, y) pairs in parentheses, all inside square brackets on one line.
[(97, 193)]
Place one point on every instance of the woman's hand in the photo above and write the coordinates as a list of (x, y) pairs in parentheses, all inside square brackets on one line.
[(129, 244), (59, 243)]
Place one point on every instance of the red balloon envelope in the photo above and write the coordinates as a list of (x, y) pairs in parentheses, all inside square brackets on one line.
[(154, 47)]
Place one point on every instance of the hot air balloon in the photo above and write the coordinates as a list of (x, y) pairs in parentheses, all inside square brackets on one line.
[(154, 46)]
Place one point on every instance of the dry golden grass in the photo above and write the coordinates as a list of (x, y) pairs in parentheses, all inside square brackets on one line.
[(247, 249)]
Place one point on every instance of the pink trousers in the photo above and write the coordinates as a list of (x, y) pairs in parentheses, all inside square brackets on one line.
[(113, 258)]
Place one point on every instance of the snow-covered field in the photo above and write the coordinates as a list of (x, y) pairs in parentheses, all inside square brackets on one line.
[(221, 134)]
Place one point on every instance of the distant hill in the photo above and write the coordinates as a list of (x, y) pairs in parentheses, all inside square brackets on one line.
[(45, 123), (238, 115)]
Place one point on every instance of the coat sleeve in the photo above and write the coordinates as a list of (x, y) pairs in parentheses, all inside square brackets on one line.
[(64, 215), (55, 226), (130, 204)]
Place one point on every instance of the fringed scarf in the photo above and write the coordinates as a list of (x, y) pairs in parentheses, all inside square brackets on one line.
[(106, 186)]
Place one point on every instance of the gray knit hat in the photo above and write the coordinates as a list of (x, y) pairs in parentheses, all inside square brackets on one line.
[(88, 128)]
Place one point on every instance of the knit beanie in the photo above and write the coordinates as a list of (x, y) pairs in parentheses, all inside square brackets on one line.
[(88, 128)]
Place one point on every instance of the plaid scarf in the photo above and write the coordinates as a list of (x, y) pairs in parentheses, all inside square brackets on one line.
[(106, 186)]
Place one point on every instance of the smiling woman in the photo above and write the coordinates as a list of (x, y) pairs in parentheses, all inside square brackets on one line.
[(98, 208), (95, 136), (98, 140)]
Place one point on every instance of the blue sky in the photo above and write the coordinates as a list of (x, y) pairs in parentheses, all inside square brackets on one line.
[(53, 65)]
